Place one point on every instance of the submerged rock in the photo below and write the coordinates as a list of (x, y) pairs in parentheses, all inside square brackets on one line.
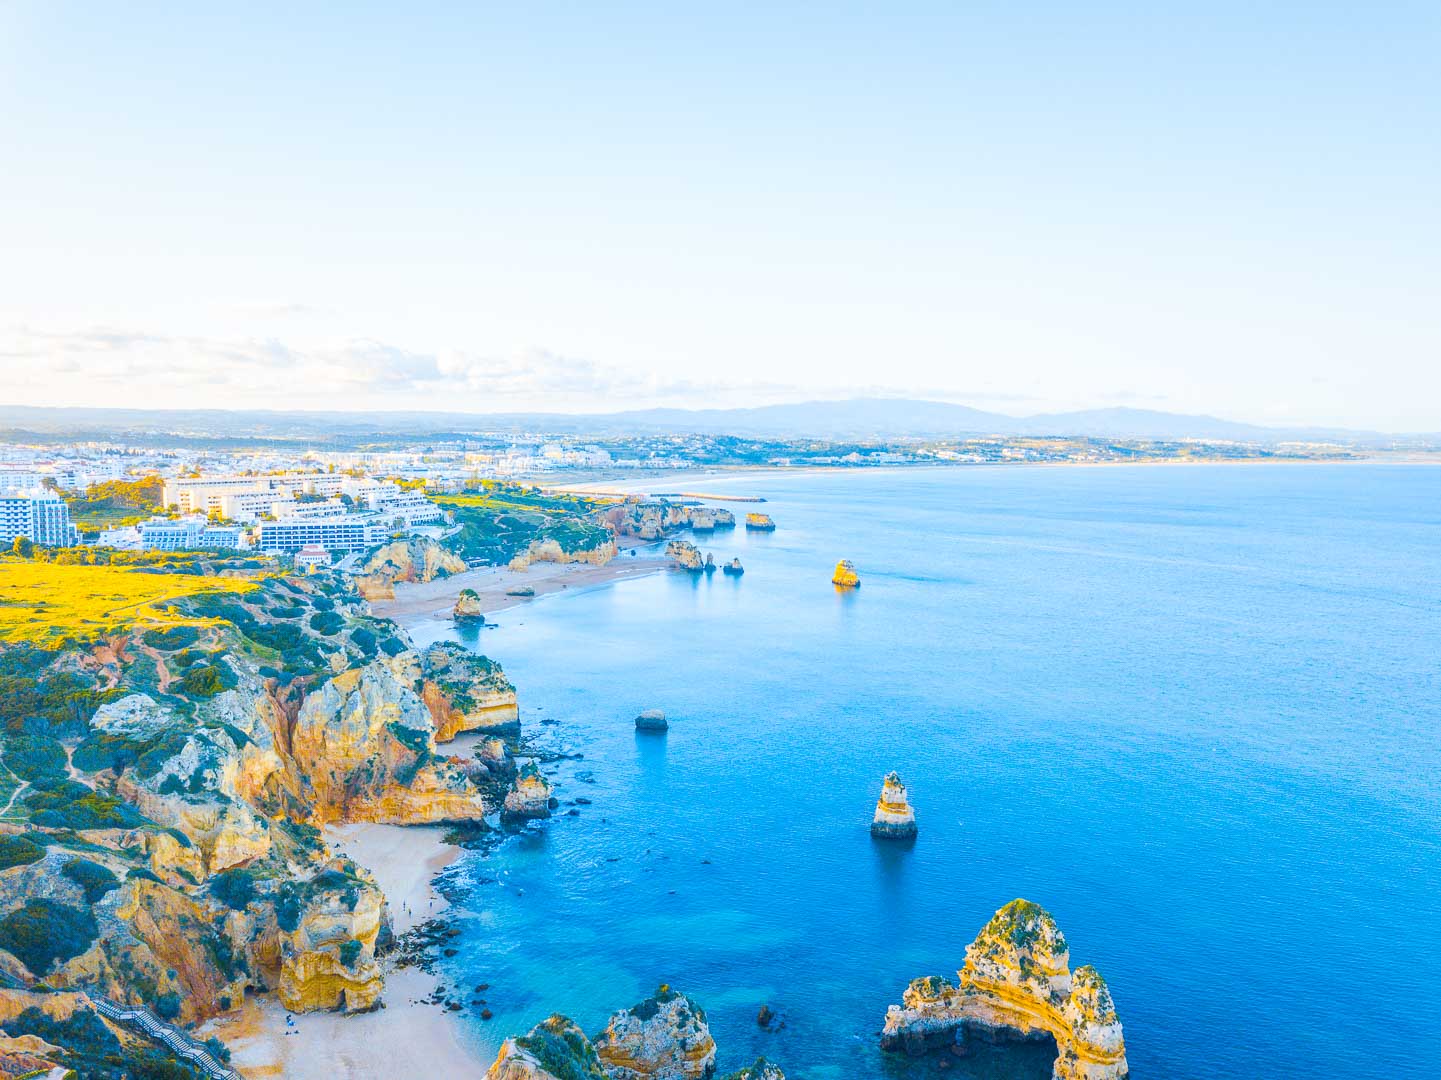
[(520, 590), (651, 720), (760, 523), (760, 1070), (845, 575), (1016, 985), (894, 820), (664, 1037), (529, 797)]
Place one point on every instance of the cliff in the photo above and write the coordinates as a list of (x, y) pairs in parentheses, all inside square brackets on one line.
[(415, 560), (529, 798), (1016, 984), (555, 1049), (686, 555), (467, 692), (664, 1037), (550, 550), (467, 607), (760, 523)]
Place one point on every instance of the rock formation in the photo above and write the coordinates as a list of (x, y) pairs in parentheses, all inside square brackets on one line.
[(894, 820), (734, 567), (845, 576), (467, 607), (664, 1037), (760, 1070), (760, 523), (651, 720), (529, 797), (520, 590), (552, 551), (686, 554), (702, 520), (467, 692), (418, 559), (723, 519), (328, 930), (555, 1049), (1016, 984)]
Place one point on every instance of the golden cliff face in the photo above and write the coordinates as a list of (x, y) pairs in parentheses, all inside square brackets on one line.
[(328, 956), (466, 692), (555, 1049), (894, 819), (551, 551), (664, 1037), (845, 576), (1016, 983)]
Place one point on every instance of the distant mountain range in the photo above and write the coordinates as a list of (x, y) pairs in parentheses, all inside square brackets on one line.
[(854, 419)]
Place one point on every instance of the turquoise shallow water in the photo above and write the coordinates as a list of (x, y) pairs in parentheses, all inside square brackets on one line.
[(1191, 711)]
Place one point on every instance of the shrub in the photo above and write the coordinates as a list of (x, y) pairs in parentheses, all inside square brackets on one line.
[(172, 638), (18, 851), (350, 952), (234, 888), (364, 639), (94, 879), (392, 646), (100, 751), (206, 680), (44, 931), (326, 622), (34, 757), (167, 1006)]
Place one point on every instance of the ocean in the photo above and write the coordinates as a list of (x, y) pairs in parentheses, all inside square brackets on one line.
[(1194, 712)]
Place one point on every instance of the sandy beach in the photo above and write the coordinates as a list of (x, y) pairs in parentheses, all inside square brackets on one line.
[(406, 1036), (435, 599)]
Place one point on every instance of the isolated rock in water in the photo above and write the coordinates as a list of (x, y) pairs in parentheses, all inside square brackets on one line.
[(845, 575), (520, 590), (894, 820), (495, 756), (529, 797), (555, 1049), (1016, 984), (723, 519), (467, 607), (651, 720), (760, 523), (761, 1070), (686, 554), (733, 567), (664, 1037), (709, 563)]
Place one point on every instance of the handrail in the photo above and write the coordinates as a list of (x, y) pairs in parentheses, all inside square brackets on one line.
[(171, 1036)]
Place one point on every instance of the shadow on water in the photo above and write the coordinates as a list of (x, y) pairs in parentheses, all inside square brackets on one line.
[(982, 1061), (650, 749)]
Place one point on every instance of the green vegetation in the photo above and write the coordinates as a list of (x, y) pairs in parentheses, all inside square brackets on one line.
[(116, 503), (67, 804), (206, 680), (94, 879), (498, 521), (92, 1051), (562, 1050), (44, 931), (18, 851), (235, 887)]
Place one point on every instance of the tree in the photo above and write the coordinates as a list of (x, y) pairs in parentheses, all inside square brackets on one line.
[(23, 546)]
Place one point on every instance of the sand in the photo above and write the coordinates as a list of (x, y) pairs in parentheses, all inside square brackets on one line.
[(404, 1038), (415, 603)]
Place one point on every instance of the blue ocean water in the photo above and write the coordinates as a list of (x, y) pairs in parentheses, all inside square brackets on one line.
[(1194, 712)]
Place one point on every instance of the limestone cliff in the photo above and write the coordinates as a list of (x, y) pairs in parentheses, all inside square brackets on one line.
[(1016, 984), (467, 607), (686, 555), (529, 798), (555, 1049), (466, 692), (845, 575), (760, 523), (550, 550), (664, 1037), (328, 931), (418, 559)]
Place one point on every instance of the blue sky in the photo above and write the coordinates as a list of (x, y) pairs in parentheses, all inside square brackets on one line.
[(1203, 207)]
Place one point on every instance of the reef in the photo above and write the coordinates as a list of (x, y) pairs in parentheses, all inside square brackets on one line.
[(894, 818), (845, 576), (1016, 985)]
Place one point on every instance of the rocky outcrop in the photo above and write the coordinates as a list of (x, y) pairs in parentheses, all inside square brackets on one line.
[(894, 819), (467, 607), (760, 523), (686, 555), (521, 591), (733, 568), (328, 931), (723, 519), (555, 1049), (418, 559), (664, 1037), (651, 720), (845, 576), (760, 1070), (1016, 984), (529, 798), (551, 551), (467, 692)]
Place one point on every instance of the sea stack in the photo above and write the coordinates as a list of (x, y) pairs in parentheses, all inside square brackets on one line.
[(846, 576), (686, 554), (528, 798), (1016, 985), (760, 523), (709, 563), (733, 567), (651, 720), (467, 607), (894, 820), (665, 1036)]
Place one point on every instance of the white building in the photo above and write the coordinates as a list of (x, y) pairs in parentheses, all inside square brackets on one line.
[(41, 516), (348, 533), (189, 534), (253, 505)]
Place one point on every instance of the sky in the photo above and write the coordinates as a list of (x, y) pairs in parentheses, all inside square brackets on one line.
[(1211, 208)]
